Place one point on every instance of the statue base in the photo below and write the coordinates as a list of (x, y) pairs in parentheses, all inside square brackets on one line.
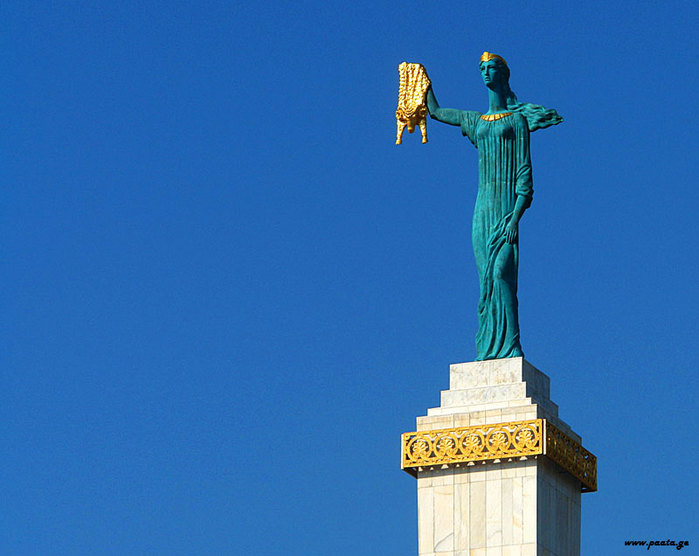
[(498, 473)]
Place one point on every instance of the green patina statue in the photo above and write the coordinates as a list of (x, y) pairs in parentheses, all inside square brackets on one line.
[(501, 136)]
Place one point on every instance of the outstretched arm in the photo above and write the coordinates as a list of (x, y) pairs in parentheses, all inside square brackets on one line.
[(449, 116)]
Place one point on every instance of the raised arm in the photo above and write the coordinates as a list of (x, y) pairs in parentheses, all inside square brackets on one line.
[(449, 116)]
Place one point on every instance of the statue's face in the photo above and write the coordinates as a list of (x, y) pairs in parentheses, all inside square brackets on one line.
[(493, 73)]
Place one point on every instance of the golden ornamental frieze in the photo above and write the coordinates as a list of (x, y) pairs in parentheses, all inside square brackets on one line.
[(498, 441), (572, 457)]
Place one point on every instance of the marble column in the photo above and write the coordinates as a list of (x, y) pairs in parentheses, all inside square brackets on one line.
[(500, 506)]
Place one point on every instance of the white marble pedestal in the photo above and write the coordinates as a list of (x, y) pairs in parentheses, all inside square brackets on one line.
[(477, 495)]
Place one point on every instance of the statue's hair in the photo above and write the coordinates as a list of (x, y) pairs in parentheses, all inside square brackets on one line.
[(537, 116)]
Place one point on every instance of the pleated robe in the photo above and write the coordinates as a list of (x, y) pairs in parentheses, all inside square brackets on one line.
[(504, 173)]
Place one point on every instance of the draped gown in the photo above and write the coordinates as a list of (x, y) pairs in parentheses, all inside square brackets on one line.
[(504, 173)]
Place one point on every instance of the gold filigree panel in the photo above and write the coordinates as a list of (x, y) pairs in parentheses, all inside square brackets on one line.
[(514, 439), (483, 442), (572, 457)]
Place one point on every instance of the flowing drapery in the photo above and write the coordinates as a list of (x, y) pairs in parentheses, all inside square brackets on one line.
[(504, 173)]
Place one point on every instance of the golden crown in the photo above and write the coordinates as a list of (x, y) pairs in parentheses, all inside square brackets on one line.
[(487, 56)]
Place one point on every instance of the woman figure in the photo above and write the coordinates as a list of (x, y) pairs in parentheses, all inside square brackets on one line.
[(501, 136)]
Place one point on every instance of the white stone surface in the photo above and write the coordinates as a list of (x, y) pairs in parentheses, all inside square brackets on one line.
[(484, 395), (510, 508)]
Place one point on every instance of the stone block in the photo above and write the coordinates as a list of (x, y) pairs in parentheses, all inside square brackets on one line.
[(480, 374), (425, 518), (429, 423), (462, 494), (477, 514), (484, 395), (444, 518), (493, 525)]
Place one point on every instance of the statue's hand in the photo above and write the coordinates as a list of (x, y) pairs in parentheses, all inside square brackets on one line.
[(511, 232)]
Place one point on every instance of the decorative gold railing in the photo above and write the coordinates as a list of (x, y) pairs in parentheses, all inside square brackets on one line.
[(500, 441)]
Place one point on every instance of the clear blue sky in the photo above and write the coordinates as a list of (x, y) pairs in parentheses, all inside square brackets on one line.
[(226, 292)]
